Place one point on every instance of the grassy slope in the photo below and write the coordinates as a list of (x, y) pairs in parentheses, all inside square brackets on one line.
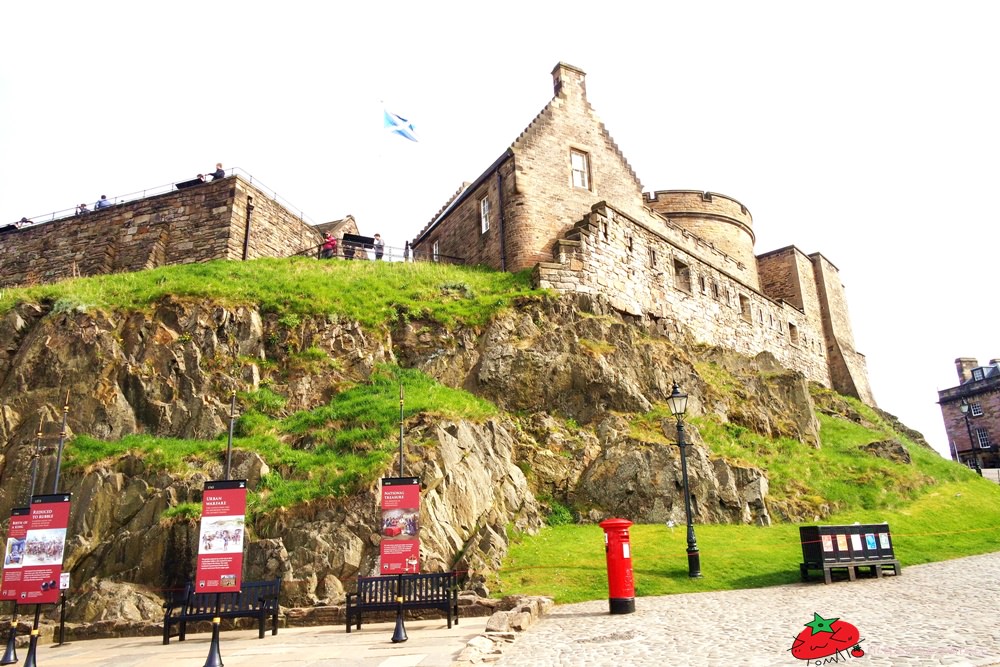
[(936, 510)]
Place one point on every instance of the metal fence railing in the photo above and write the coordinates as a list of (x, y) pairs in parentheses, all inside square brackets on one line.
[(390, 254), (118, 200)]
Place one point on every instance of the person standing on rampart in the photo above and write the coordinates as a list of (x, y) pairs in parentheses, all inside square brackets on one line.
[(102, 203), (379, 246), (329, 246), (218, 173)]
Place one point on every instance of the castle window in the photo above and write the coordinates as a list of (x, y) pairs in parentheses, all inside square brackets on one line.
[(745, 308), (983, 437), (436, 250), (682, 276), (484, 214), (604, 229), (977, 373), (701, 284), (580, 166), (652, 258), (793, 333), (629, 243), (760, 313), (715, 290), (977, 409)]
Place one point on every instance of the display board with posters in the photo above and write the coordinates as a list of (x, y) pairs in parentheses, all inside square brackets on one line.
[(220, 540), (44, 546), (13, 557), (400, 546)]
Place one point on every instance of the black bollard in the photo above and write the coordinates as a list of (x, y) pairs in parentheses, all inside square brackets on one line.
[(214, 655), (399, 634), (33, 643), (10, 655)]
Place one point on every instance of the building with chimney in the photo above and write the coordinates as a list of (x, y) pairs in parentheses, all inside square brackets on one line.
[(563, 201), (971, 413)]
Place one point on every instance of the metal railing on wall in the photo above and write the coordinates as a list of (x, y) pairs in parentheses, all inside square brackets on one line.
[(346, 251), (118, 200)]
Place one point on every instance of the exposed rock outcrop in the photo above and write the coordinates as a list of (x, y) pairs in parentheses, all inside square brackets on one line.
[(564, 370)]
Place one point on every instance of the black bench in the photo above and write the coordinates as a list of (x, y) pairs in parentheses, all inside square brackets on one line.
[(256, 599), (419, 591), (876, 568)]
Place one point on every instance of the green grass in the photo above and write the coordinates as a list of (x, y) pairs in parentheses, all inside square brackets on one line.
[(936, 510), (567, 562), (806, 481), (372, 293), (332, 450)]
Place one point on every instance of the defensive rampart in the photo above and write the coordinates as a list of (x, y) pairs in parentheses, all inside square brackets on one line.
[(224, 219), (644, 271)]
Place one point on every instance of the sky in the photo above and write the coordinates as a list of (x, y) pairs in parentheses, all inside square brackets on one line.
[(866, 131)]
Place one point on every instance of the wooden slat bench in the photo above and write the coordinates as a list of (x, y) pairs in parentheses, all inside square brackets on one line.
[(256, 599), (876, 568), (419, 591)]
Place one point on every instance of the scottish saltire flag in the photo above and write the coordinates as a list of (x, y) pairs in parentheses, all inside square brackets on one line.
[(399, 125)]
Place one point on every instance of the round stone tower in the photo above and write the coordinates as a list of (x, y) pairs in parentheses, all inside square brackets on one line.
[(718, 219)]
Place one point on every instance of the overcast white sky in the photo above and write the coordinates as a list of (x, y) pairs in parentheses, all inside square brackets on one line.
[(863, 130)]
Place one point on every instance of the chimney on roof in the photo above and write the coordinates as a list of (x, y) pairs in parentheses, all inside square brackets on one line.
[(964, 366), (569, 78)]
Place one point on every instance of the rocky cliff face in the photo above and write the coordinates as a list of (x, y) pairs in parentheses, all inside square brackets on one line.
[(565, 372)]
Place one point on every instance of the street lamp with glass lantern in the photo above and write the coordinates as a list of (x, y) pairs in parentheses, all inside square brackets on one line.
[(678, 406), (964, 407)]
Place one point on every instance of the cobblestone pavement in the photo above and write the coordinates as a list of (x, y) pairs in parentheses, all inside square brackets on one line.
[(944, 613)]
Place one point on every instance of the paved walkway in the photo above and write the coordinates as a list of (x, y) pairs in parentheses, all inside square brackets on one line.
[(430, 644), (944, 613), (937, 614)]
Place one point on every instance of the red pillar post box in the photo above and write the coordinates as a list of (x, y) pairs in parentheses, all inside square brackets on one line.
[(621, 586)]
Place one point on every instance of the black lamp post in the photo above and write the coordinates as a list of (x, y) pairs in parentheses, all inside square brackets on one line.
[(678, 406), (964, 407)]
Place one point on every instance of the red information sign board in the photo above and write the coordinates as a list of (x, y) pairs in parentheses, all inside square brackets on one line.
[(14, 553), (400, 547), (44, 545), (220, 542)]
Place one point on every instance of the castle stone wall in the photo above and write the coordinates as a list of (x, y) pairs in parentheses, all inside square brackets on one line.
[(643, 272), (274, 230), (192, 225), (848, 368), (718, 219), (461, 236)]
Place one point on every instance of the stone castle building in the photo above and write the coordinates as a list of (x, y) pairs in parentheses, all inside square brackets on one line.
[(563, 201)]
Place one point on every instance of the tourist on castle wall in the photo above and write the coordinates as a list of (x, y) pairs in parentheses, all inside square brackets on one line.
[(218, 173), (81, 209), (102, 203), (329, 246), (406, 252), (379, 246)]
